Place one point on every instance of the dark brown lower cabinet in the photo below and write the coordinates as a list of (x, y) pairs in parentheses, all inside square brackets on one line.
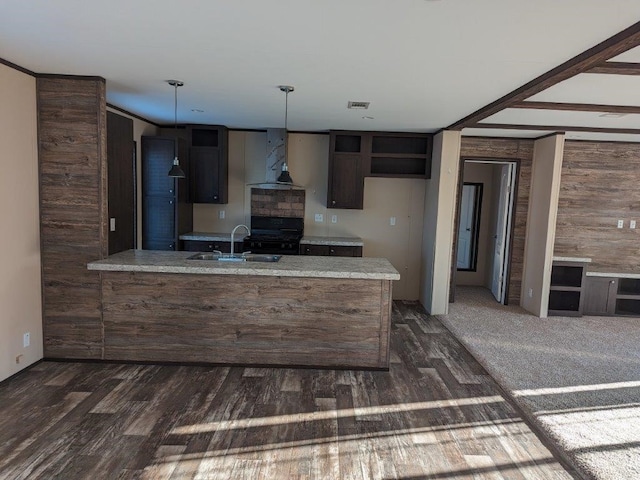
[(210, 246), (331, 250), (600, 296)]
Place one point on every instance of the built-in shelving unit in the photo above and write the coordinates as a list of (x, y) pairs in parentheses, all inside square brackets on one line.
[(566, 292), (628, 297)]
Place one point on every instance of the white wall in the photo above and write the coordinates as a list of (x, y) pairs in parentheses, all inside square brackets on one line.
[(20, 287), (308, 163), (541, 223), (439, 223)]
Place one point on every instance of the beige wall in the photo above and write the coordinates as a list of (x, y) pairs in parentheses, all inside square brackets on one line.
[(20, 298), (541, 224), (308, 163), (140, 128), (483, 173), (439, 223)]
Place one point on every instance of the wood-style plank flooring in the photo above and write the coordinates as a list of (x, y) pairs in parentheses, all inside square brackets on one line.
[(434, 414)]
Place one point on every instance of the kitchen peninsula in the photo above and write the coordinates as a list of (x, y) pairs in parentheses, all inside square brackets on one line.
[(300, 311)]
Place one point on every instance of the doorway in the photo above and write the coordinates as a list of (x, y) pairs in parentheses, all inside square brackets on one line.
[(485, 221)]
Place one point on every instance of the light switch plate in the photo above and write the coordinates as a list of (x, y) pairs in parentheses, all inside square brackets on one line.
[(112, 224), (334, 218), (221, 214), (632, 224), (620, 223), (392, 221), (319, 217)]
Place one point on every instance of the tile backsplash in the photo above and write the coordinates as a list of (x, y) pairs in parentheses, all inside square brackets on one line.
[(277, 203)]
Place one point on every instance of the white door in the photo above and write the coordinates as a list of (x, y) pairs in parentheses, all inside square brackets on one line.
[(465, 227), (502, 233)]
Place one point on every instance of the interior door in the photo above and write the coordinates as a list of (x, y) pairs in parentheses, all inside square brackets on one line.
[(502, 233), (465, 227)]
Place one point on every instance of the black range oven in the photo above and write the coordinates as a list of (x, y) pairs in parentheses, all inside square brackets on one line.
[(274, 235)]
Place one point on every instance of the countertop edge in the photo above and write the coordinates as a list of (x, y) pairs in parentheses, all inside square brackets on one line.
[(613, 275)]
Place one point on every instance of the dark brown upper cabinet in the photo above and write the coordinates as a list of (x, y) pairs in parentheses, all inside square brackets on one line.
[(209, 163), (355, 155)]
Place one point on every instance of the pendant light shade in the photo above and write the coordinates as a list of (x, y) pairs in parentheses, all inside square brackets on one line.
[(176, 171), (285, 177)]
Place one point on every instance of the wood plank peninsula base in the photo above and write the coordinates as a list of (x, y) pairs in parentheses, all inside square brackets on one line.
[(301, 311)]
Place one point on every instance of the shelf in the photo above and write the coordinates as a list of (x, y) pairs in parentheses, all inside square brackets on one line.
[(628, 306), (386, 144), (629, 286), (394, 165), (564, 301), (567, 275), (563, 288)]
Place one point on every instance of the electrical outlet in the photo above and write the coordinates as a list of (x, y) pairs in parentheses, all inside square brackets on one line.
[(334, 218), (221, 214), (112, 224), (26, 340), (392, 221), (319, 217), (632, 224), (531, 293), (620, 223)]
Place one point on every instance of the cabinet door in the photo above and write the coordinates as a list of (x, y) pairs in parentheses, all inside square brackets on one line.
[(158, 227), (157, 159), (600, 296), (208, 175), (346, 181)]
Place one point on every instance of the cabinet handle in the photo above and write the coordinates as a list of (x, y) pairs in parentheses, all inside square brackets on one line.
[(333, 202), (170, 202), (333, 251)]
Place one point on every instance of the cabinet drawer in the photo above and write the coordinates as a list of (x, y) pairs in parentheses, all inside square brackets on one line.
[(209, 246), (331, 250)]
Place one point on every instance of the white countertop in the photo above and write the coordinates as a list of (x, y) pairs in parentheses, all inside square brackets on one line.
[(210, 237), (289, 266), (614, 275), (572, 259), (333, 241)]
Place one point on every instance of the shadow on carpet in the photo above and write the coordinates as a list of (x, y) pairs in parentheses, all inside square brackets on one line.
[(578, 379)]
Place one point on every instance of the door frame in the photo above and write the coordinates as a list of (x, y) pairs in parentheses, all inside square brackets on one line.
[(456, 220)]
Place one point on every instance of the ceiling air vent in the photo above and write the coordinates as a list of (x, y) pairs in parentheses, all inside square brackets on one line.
[(358, 105)]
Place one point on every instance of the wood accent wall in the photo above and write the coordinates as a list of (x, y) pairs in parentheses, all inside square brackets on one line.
[(73, 212), (243, 319), (600, 185), (520, 150)]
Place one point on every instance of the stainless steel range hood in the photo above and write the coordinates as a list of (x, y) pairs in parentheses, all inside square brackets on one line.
[(277, 169)]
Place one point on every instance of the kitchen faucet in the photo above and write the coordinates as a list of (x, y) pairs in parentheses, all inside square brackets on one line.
[(233, 232)]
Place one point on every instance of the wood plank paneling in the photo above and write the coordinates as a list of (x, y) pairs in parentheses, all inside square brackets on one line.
[(599, 186), (73, 181), (509, 149), (245, 319)]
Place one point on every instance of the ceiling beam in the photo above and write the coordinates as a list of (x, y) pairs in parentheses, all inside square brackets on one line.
[(619, 43), (555, 128), (616, 68), (576, 107)]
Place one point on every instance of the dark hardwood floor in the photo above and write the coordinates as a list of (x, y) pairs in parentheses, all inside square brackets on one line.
[(434, 414)]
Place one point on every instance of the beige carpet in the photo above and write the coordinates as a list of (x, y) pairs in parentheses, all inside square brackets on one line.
[(578, 379)]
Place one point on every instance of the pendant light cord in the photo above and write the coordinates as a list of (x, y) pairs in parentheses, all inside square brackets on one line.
[(175, 119)]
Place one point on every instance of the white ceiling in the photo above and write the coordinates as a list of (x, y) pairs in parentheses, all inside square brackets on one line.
[(423, 64)]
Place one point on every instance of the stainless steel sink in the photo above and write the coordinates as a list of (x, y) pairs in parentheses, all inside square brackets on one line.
[(226, 257)]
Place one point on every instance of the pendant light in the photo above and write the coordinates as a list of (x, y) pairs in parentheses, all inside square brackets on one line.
[(176, 171), (284, 176)]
